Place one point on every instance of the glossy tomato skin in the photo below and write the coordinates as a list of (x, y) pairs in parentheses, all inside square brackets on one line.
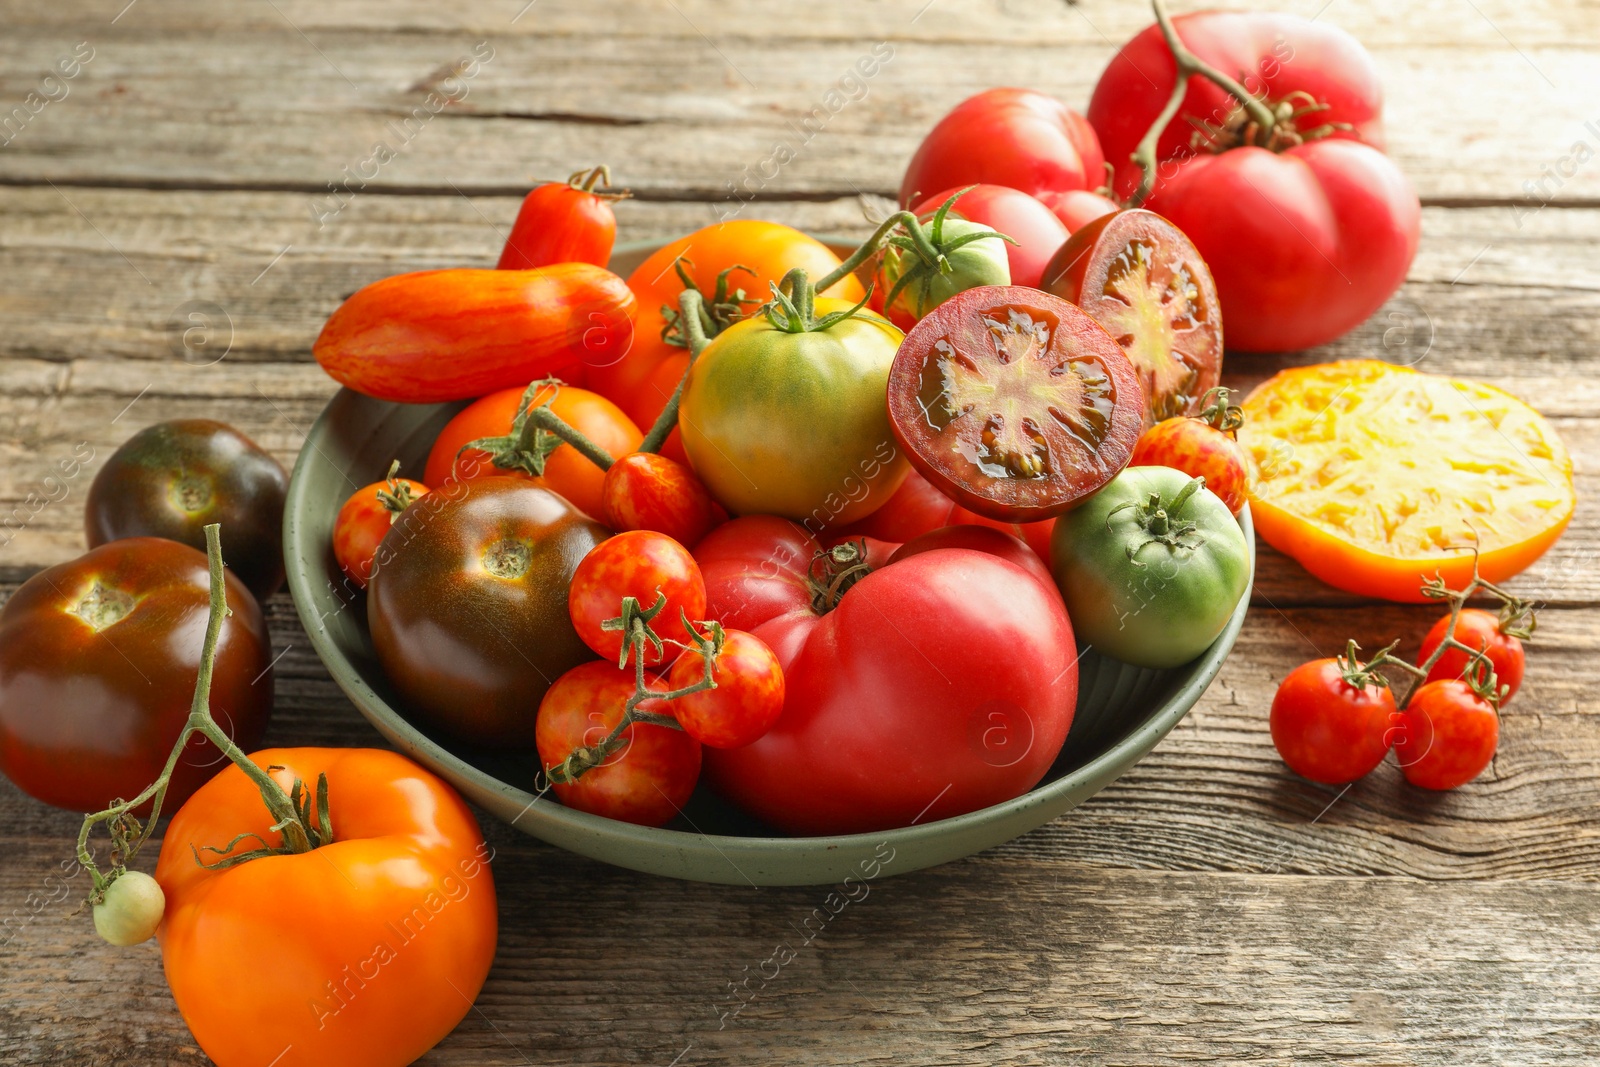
[(98, 661), (1342, 232), (566, 470), (941, 684), (1137, 275), (367, 950), (1013, 137), (754, 569), (362, 524), (748, 697), (174, 478), (980, 539), (642, 381), (559, 222), (1035, 228), (1001, 347), (1481, 630), (1077, 208), (438, 335), (642, 564), (646, 782), (1199, 450), (756, 398), (1328, 730), (918, 507), (1163, 605), (1446, 736), (646, 491), (468, 605)]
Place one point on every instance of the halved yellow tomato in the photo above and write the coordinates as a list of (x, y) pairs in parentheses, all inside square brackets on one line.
[(1377, 477)]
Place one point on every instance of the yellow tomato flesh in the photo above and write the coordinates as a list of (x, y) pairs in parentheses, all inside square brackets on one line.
[(1376, 477)]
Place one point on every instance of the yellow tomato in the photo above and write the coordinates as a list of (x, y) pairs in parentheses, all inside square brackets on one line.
[(1375, 477)]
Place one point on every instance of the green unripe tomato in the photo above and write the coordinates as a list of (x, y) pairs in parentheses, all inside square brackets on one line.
[(131, 910), (1151, 570), (796, 424), (972, 265)]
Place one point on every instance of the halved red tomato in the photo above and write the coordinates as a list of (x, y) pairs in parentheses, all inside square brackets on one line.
[(1014, 402), (1137, 275)]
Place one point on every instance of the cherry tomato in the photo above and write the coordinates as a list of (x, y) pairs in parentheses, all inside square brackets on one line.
[(645, 491), (747, 700), (563, 469), (468, 605), (439, 335), (1446, 736), (364, 521), (175, 478), (988, 539), (1077, 207), (98, 659), (1201, 447), (1331, 722), (1014, 403), (1138, 276), (367, 950), (649, 779), (1031, 224), (640, 564), (1481, 630), (1013, 137), (563, 222)]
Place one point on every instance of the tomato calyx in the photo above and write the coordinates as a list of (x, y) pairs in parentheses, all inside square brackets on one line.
[(396, 493), (833, 571), (792, 308), (535, 433), (1216, 412), (724, 308), (1158, 520), (103, 606), (923, 249), (1362, 676), (587, 181)]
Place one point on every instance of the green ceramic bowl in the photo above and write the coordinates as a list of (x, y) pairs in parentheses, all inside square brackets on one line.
[(1123, 711)]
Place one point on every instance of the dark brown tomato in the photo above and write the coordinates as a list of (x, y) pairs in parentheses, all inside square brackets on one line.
[(1137, 275), (98, 661), (174, 478), (468, 605), (1014, 402)]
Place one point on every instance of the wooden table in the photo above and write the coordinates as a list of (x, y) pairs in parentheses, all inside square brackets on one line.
[(169, 249)]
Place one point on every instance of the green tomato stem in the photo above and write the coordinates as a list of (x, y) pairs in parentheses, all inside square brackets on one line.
[(691, 307)]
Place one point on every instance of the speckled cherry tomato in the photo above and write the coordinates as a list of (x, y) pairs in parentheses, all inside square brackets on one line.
[(365, 518), (645, 491), (174, 478), (648, 780), (1446, 736), (640, 564), (747, 700), (1201, 446), (1481, 630)]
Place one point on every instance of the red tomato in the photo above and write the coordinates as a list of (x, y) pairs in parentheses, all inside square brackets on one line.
[(1306, 237), (566, 470), (1201, 448), (1446, 736), (648, 780), (747, 700), (1013, 137), (1077, 207), (563, 222), (936, 686), (645, 491), (1014, 402), (365, 519), (980, 539), (1327, 727), (1033, 226), (918, 507), (640, 564), (439, 335), (1481, 630)]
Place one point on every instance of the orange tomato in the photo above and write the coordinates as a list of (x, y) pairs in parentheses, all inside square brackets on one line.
[(367, 950), (642, 381), (566, 470), (1375, 477)]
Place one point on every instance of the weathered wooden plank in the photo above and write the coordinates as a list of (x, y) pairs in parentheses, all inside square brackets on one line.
[(260, 102)]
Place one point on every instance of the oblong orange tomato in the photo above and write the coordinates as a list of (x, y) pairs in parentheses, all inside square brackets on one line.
[(640, 382), (1376, 477), (367, 950), (438, 335), (566, 470)]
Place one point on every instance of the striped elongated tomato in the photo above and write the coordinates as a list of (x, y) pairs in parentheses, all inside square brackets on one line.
[(438, 335)]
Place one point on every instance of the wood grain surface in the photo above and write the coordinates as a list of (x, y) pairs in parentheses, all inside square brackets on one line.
[(166, 251)]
